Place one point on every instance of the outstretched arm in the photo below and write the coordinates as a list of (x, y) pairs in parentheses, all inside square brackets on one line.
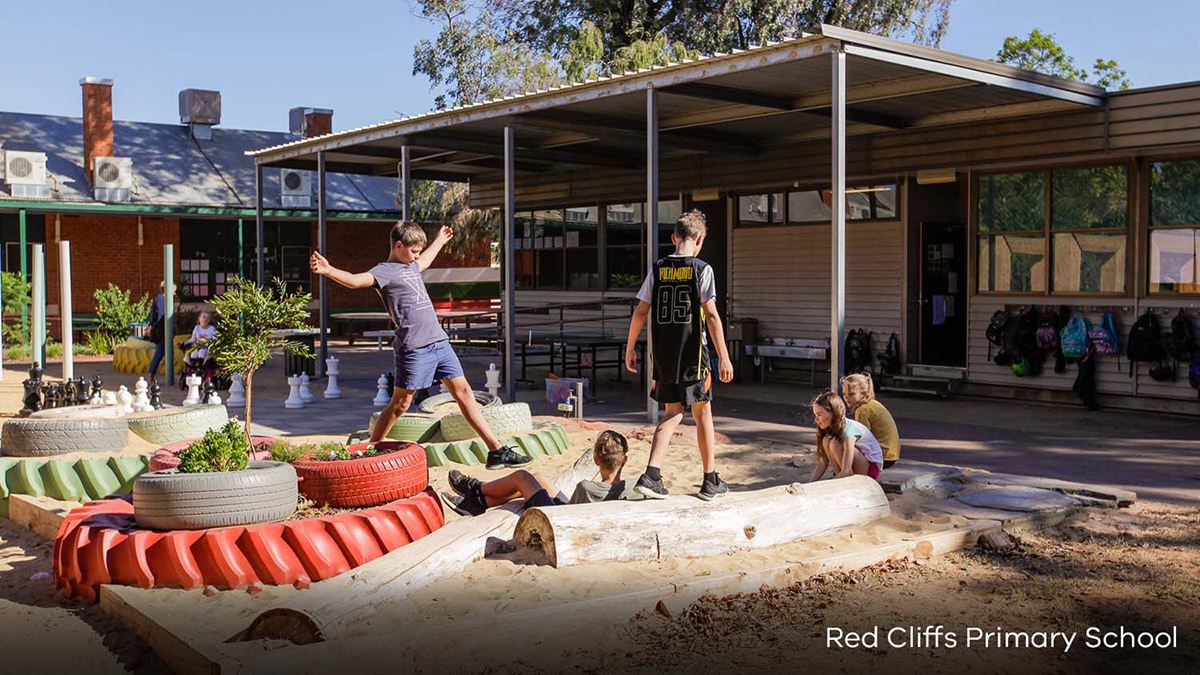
[(717, 332), (635, 330), (431, 251), (321, 266)]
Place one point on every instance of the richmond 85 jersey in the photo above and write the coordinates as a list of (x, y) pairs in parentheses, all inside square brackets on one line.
[(679, 286)]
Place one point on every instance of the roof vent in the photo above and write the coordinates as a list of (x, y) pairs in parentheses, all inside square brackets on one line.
[(200, 109)]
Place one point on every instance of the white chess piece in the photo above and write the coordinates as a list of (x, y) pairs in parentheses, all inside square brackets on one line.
[(381, 397), (193, 395), (214, 398), (331, 389), (493, 380), (237, 391), (96, 399), (110, 398), (141, 402), (293, 400), (125, 400), (305, 391)]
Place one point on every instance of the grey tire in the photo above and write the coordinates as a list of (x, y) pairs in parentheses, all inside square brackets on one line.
[(41, 437), (415, 428), (171, 425), (431, 404), (509, 419), (167, 500), (77, 412)]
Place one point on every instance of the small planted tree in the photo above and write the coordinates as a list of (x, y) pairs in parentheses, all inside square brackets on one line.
[(251, 316)]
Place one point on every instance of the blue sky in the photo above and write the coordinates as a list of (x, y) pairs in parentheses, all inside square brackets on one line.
[(355, 56)]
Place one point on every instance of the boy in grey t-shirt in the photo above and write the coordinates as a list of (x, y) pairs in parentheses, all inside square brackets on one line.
[(422, 352)]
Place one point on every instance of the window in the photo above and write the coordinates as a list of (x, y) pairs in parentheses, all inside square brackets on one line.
[(582, 242), (1062, 230), (287, 246), (1175, 227), (208, 257), (762, 209), (10, 229), (625, 233), (540, 251), (809, 206)]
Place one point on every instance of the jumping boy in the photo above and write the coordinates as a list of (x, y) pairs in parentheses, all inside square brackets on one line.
[(679, 295), (421, 348)]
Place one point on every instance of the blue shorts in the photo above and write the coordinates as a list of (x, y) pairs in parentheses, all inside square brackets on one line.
[(421, 367), (542, 499)]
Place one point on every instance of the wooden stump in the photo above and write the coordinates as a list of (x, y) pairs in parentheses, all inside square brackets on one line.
[(686, 526)]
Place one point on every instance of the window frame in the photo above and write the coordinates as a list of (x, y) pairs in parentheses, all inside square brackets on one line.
[(785, 206), (1150, 228)]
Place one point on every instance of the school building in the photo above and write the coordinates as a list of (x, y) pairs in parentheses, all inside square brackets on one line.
[(119, 190), (969, 186)]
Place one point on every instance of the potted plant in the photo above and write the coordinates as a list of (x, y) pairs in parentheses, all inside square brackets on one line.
[(215, 485), (253, 315), (360, 475)]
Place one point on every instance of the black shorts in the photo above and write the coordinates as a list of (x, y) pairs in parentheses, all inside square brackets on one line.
[(687, 393), (542, 499)]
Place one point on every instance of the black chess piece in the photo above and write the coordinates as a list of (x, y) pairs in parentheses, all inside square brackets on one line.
[(67, 392), (207, 391), (97, 386), (35, 373), (32, 399), (81, 390), (50, 394), (155, 395), (391, 380)]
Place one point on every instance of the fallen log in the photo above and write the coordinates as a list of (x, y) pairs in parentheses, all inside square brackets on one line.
[(331, 608), (685, 526)]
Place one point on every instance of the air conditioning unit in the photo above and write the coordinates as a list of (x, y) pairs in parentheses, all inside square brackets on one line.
[(25, 173), (295, 188), (112, 179)]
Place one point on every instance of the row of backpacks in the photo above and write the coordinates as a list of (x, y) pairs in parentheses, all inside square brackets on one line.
[(857, 353), (1025, 339)]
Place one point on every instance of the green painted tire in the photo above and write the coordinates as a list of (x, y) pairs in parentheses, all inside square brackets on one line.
[(544, 440), (509, 419), (74, 481), (414, 428)]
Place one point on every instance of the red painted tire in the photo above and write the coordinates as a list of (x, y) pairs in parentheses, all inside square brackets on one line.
[(167, 457), (399, 471)]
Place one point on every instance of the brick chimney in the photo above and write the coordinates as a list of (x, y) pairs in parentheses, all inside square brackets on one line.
[(97, 121), (310, 122)]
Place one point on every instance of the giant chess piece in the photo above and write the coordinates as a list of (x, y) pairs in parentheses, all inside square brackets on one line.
[(193, 394), (206, 391), (237, 390), (293, 400), (32, 400), (110, 398), (331, 388), (67, 393), (97, 386), (35, 373), (213, 397), (81, 390), (305, 391), (391, 384), (51, 394), (381, 396), (125, 400), (155, 395), (141, 402)]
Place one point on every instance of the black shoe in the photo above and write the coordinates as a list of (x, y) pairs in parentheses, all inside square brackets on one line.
[(710, 491), (650, 488), (463, 484), (506, 457), (463, 505)]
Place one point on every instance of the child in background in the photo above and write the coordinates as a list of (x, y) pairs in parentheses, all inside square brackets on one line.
[(858, 391), (610, 453), (844, 444)]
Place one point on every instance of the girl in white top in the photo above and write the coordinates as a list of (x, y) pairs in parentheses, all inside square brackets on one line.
[(201, 334), (844, 444)]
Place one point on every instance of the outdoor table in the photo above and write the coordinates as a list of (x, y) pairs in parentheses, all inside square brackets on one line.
[(293, 364)]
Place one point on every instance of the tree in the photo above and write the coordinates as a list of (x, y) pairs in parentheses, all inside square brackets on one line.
[(1042, 53), (251, 318)]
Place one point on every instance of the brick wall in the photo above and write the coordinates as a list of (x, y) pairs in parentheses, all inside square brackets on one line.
[(104, 250)]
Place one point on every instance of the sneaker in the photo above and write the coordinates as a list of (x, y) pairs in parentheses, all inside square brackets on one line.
[(650, 488), (506, 457), (710, 491), (463, 505), (463, 484)]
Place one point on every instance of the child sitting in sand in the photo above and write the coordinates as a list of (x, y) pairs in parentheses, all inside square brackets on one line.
[(859, 393), (475, 496), (844, 444)]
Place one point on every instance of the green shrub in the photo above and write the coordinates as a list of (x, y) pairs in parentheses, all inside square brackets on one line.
[(99, 343), (282, 451), (331, 451), (224, 449), (15, 292), (115, 312)]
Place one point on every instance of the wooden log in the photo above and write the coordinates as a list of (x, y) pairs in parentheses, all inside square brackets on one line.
[(685, 526), (330, 608)]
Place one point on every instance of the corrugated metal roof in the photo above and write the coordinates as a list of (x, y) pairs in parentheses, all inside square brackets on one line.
[(170, 168)]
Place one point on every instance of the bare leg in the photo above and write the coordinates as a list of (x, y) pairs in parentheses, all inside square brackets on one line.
[(460, 389), (518, 484), (706, 437), (833, 452), (664, 432), (401, 399)]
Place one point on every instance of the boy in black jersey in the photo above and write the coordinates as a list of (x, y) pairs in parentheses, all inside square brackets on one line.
[(679, 297)]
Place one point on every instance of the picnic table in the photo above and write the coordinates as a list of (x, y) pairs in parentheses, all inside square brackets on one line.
[(567, 348)]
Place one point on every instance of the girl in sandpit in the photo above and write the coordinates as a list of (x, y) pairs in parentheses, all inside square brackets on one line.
[(475, 496), (858, 390), (843, 444)]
